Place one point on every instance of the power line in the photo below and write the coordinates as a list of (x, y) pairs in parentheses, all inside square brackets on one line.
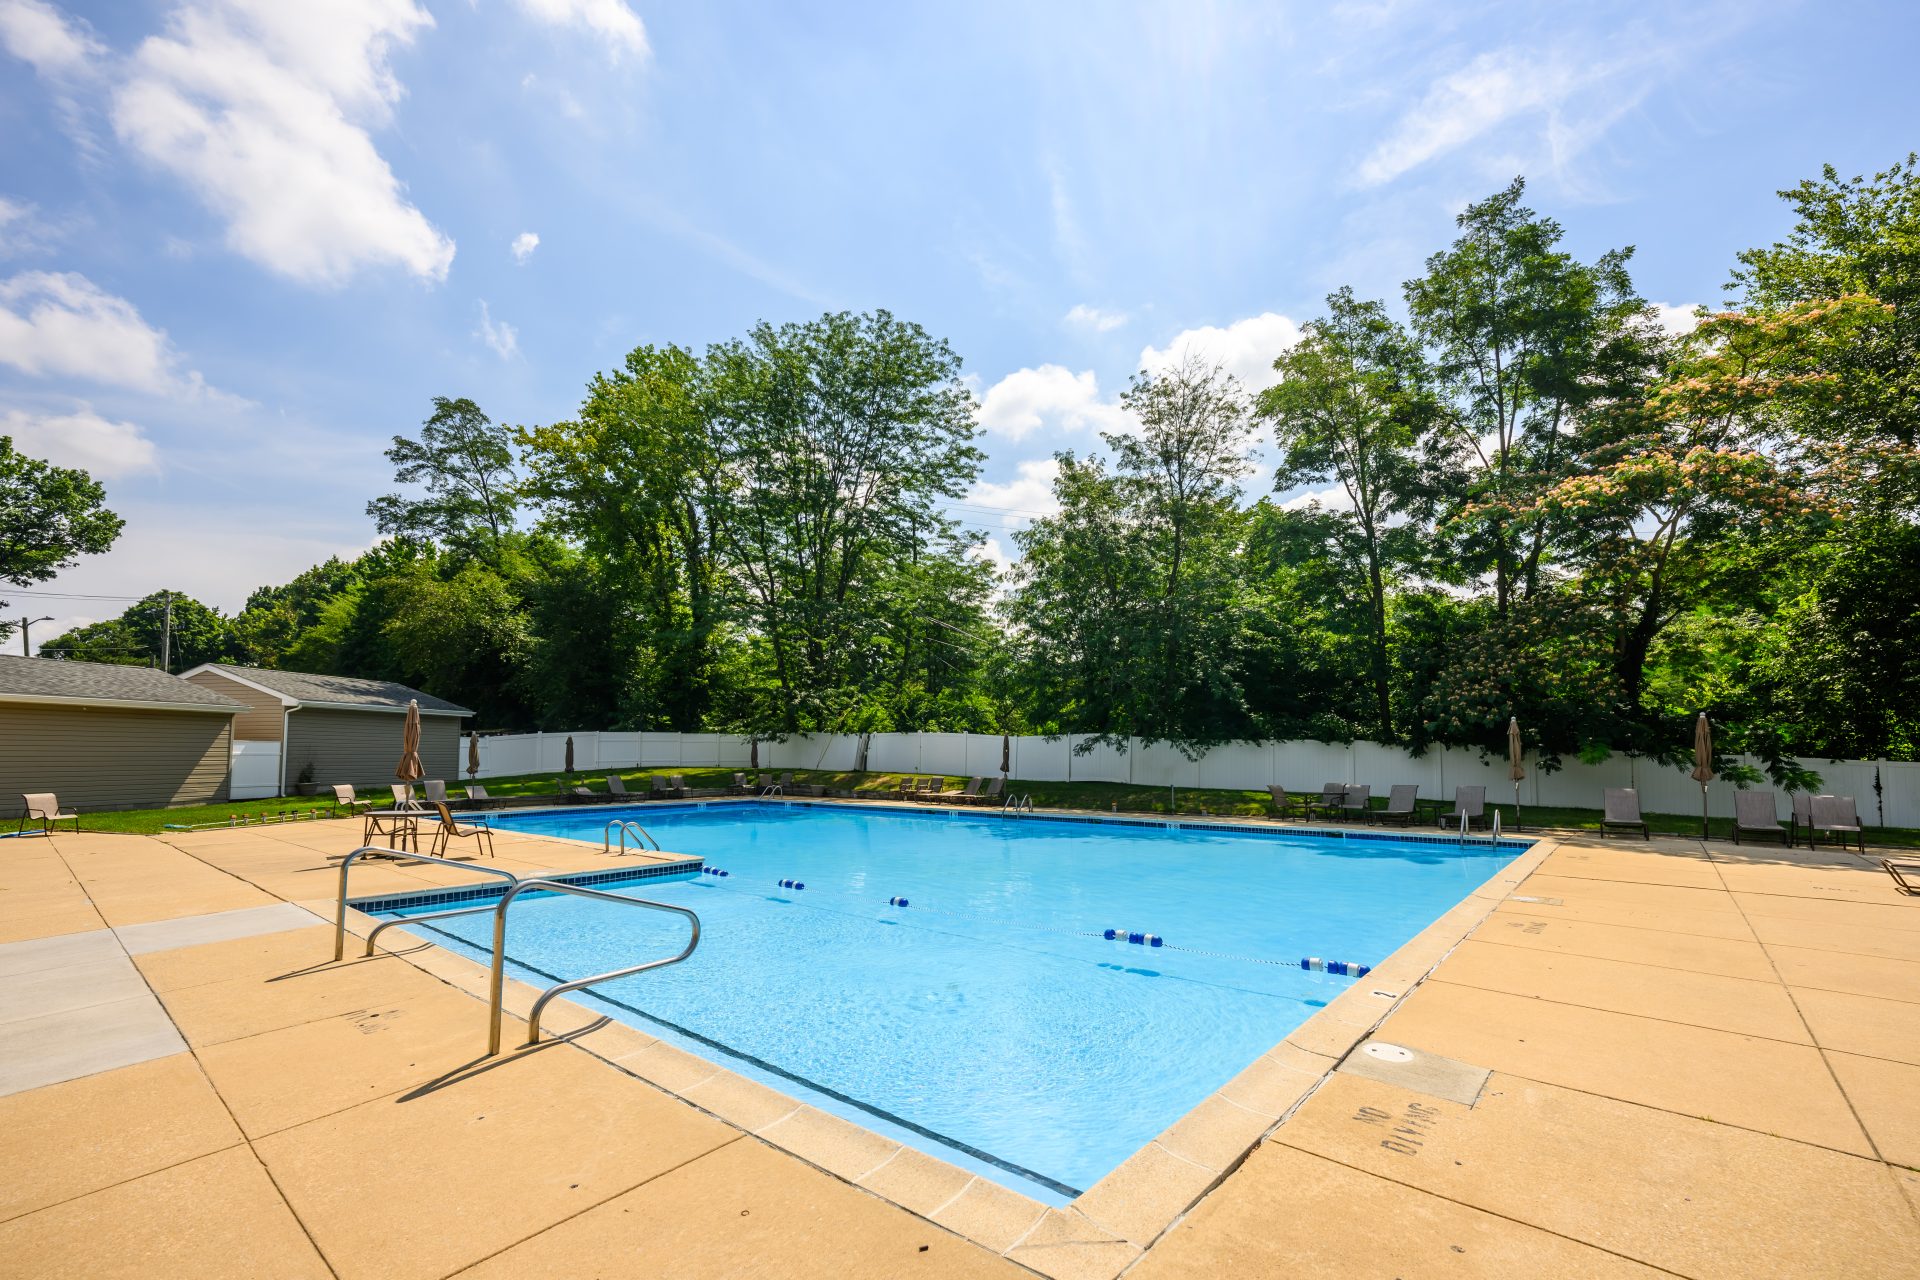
[(65, 595)]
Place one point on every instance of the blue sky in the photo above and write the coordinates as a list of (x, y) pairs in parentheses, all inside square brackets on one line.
[(244, 242)]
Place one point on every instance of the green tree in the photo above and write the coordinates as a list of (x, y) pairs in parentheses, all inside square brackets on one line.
[(49, 517), (839, 440), (1523, 338), (1350, 405), (168, 622), (465, 463)]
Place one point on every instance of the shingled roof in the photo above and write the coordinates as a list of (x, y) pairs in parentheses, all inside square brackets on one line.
[(93, 683), (310, 690)]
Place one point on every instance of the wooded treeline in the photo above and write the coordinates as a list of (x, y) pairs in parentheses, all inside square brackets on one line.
[(1538, 501)]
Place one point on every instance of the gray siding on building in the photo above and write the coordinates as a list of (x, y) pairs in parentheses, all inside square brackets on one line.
[(262, 721), (109, 758), (362, 747)]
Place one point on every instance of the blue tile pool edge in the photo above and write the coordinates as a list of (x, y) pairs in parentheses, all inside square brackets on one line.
[(493, 889)]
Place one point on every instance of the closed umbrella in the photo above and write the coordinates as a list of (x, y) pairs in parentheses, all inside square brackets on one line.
[(1006, 755), (860, 765), (1703, 764), (473, 755), (410, 770), (1515, 769), (569, 766)]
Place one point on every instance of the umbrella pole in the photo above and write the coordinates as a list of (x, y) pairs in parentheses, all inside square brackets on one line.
[(1516, 804), (1703, 811)]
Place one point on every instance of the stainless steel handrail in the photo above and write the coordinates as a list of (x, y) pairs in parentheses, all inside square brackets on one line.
[(606, 837), (346, 863), (497, 991), (1495, 837), (774, 790), (1014, 804)]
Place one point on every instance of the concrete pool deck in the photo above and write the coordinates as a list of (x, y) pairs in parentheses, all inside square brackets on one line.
[(1643, 1058)]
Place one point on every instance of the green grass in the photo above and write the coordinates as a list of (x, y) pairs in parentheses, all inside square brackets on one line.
[(1097, 796)]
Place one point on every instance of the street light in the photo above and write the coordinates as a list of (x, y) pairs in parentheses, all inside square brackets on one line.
[(26, 643)]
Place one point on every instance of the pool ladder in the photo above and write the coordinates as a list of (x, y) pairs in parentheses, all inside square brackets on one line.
[(497, 977), (1017, 804), (643, 839)]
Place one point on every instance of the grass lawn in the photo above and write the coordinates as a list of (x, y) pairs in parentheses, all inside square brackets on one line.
[(1100, 796)]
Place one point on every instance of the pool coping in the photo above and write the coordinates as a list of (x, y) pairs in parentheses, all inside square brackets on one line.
[(1111, 1224)]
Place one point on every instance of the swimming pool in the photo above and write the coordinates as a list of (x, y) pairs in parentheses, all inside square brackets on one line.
[(987, 1021)]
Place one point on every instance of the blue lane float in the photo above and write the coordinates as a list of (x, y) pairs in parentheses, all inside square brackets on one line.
[(714, 871), (1137, 938), (792, 884), (1344, 968), (896, 902)]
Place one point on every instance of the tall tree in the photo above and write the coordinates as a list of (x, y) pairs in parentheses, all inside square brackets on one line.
[(840, 439), (1350, 405), (1523, 338), (49, 517), (465, 462)]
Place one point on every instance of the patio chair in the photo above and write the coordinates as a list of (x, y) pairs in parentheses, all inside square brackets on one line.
[(765, 781), (1356, 803), (1332, 796), (1802, 818), (994, 787), (43, 807), (677, 787), (906, 789), (617, 787), (1900, 870), (1284, 805), (786, 780), (1836, 815), (449, 830), (1622, 810), (969, 793), (477, 796), (656, 787), (343, 798), (1402, 804), (436, 792), (403, 796), (1469, 803), (738, 787), (1757, 813)]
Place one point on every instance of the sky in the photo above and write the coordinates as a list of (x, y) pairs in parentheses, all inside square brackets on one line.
[(243, 243)]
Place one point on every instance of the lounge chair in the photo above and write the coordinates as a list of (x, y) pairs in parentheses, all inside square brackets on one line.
[(786, 781), (403, 797), (343, 798), (449, 830), (1286, 806), (617, 787), (656, 787), (1802, 818), (1757, 813), (908, 786), (1469, 803), (738, 787), (765, 781), (994, 787), (1333, 795), (43, 807), (1622, 810), (968, 794), (1836, 815), (1402, 805), (477, 796), (1900, 870), (436, 791), (1356, 802)]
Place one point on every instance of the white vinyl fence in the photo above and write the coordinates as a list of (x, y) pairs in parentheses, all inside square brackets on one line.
[(1298, 766), (256, 770)]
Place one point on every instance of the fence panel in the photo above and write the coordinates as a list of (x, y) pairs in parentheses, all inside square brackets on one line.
[(256, 770), (1237, 766)]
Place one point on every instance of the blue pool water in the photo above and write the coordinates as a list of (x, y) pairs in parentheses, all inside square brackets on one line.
[(986, 1022)]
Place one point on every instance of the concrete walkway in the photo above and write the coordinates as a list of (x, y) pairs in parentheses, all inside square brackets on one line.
[(1648, 1058)]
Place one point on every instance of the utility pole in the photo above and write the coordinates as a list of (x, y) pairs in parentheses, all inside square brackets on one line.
[(166, 634), (26, 640)]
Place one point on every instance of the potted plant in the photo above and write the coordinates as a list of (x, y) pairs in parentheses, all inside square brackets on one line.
[(304, 785)]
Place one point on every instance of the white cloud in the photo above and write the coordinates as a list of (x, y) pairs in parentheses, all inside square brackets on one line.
[(611, 20), (1332, 498), (990, 553), (1675, 318), (500, 336), (82, 439), (1246, 348), (1095, 318), (37, 33), (1052, 398), (524, 244), (1028, 494), (22, 230), (59, 324), (1464, 104), (263, 107)]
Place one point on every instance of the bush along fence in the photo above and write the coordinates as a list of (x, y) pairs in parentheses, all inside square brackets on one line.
[(1887, 792)]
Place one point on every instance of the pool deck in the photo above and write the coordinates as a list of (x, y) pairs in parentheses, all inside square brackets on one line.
[(1615, 1058)]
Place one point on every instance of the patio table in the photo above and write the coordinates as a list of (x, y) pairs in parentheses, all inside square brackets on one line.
[(403, 823)]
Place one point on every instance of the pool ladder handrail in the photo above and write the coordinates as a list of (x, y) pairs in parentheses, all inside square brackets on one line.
[(346, 864), (497, 986), (773, 789), (643, 836), (1015, 804)]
